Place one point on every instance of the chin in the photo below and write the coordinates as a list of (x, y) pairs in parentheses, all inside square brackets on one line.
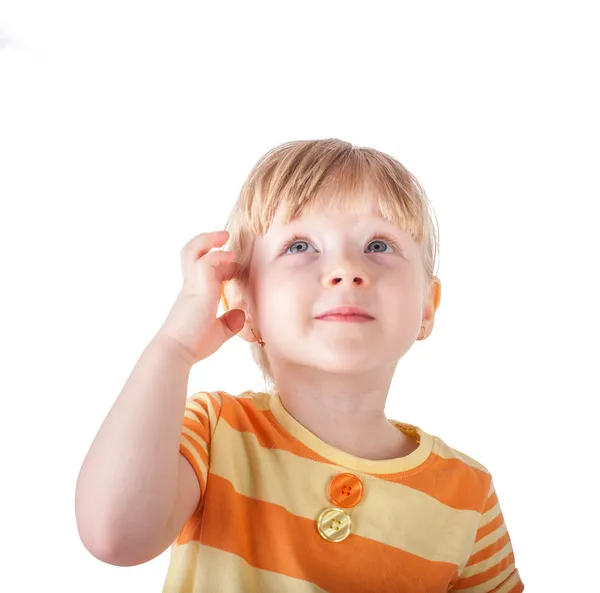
[(348, 362)]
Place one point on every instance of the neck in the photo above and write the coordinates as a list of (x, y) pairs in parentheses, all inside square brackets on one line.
[(347, 412)]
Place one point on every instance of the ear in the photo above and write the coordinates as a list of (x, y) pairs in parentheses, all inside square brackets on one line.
[(233, 297), (432, 300)]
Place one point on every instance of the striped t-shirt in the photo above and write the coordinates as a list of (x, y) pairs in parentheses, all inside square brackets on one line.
[(283, 511)]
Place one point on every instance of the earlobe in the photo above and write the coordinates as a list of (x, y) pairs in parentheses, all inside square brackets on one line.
[(250, 333), (246, 332), (258, 339)]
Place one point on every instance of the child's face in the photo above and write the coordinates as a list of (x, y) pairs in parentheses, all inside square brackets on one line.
[(338, 261)]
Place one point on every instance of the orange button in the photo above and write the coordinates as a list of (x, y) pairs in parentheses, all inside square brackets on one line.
[(345, 490)]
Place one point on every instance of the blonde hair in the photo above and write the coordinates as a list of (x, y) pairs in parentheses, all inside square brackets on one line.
[(297, 175)]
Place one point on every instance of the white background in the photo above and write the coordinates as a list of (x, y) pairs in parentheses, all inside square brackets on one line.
[(128, 127)]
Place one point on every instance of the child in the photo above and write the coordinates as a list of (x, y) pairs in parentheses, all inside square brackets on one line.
[(307, 486)]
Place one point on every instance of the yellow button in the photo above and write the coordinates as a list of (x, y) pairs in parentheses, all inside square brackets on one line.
[(334, 524)]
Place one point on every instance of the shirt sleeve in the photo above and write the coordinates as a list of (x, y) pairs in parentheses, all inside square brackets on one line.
[(202, 412), (491, 565)]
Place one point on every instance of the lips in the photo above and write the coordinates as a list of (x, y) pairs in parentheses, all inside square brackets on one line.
[(346, 313)]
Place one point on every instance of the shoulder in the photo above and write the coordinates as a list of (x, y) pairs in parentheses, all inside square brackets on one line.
[(448, 452), (220, 402), (465, 469)]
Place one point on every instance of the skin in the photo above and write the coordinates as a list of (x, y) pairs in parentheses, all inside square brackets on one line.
[(333, 377)]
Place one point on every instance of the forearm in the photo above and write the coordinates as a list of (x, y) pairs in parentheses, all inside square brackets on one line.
[(127, 484)]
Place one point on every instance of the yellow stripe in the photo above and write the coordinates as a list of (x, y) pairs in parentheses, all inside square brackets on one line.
[(192, 404), (512, 581), (491, 537), (447, 452), (261, 399), (482, 566), (189, 448), (391, 513), (490, 515), (181, 562), (494, 582), (192, 436)]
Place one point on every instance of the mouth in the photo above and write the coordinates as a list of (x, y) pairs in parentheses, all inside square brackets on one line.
[(346, 314)]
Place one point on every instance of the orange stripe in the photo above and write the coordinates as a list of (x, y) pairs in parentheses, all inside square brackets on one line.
[(192, 530), (201, 398), (203, 457), (491, 526), (491, 502), (215, 402), (450, 481), (267, 536), (242, 416), (488, 552), (486, 575), (200, 427), (517, 588)]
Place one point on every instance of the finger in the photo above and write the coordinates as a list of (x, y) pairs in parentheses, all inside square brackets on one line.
[(216, 258), (232, 322), (200, 245), (227, 271), (221, 262)]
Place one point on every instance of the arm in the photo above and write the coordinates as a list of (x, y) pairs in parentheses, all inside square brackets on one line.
[(135, 490), (141, 479)]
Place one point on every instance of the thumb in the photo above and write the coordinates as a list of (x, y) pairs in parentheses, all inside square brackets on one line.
[(232, 322)]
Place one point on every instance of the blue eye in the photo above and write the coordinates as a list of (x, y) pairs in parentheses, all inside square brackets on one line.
[(379, 246), (299, 244), (297, 247)]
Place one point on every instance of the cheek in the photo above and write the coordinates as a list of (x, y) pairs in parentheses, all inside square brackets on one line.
[(404, 293), (269, 291), (283, 297)]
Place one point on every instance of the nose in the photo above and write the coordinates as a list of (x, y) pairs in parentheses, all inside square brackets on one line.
[(346, 272), (358, 280)]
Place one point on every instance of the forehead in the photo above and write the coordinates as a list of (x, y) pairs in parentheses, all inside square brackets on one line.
[(359, 210)]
